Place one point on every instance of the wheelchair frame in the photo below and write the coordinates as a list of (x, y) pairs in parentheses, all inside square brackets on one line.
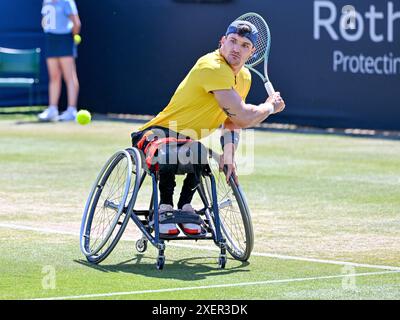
[(125, 211)]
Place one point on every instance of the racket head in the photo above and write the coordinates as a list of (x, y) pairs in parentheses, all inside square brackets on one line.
[(263, 44)]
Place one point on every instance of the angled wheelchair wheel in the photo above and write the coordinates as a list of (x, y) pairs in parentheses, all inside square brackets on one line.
[(108, 206), (236, 225)]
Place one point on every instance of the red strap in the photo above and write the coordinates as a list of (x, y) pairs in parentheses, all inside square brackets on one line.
[(152, 147), (141, 142)]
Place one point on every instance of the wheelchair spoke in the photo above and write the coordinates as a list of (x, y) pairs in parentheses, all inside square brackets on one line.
[(230, 221), (103, 224), (107, 202), (119, 177), (233, 212), (225, 203), (111, 205), (112, 195)]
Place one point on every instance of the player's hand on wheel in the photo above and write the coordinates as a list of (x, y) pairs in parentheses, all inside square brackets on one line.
[(227, 160)]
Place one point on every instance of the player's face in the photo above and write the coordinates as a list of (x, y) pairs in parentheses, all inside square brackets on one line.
[(236, 49)]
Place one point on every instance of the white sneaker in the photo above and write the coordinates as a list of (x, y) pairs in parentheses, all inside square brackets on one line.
[(68, 115), (50, 114), (167, 228), (190, 228)]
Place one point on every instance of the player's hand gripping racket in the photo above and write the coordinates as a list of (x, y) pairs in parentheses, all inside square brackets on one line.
[(263, 46)]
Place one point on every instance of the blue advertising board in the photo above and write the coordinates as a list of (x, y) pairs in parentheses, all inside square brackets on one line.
[(337, 63)]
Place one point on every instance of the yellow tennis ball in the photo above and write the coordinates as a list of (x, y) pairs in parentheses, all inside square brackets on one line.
[(77, 39), (83, 117)]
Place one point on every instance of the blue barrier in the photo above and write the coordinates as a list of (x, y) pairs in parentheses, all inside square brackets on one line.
[(336, 63)]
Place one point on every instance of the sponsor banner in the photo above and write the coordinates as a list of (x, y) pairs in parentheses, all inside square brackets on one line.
[(337, 63)]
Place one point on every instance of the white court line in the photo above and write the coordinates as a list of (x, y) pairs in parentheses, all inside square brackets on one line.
[(285, 257), (43, 230), (240, 284), (268, 255)]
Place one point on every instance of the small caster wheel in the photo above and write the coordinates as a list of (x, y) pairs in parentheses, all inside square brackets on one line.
[(222, 262), (160, 262), (141, 245)]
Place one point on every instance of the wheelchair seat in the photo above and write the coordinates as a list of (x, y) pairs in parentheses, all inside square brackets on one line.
[(177, 155), (180, 159)]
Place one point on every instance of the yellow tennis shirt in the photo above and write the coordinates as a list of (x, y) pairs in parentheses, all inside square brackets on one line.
[(193, 109)]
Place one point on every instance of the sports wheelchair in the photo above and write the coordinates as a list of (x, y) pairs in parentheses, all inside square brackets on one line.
[(224, 216)]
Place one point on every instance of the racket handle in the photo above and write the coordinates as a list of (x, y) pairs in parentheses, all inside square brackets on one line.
[(270, 89)]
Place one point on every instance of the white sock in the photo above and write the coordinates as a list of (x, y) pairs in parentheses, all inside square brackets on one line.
[(71, 108), (53, 107)]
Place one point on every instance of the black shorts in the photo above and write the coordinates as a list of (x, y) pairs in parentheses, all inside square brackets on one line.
[(60, 45)]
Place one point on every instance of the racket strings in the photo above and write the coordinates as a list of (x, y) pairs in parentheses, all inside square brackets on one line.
[(263, 42)]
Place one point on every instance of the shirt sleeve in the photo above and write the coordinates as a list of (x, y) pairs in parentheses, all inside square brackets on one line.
[(70, 8), (217, 78), (248, 86)]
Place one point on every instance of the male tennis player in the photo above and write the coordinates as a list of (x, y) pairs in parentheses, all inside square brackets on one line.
[(212, 94)]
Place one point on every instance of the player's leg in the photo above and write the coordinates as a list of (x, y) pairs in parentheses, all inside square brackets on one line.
[(190, 184), (70, 76), (166, 186), (188, 189)]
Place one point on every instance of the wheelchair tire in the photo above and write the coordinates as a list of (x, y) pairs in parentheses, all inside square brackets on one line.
[(141, 245), (160, 262), (222, 262), (107, 209), (236, 225)]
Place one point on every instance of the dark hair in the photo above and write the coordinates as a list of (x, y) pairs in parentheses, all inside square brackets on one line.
[(243, 29)]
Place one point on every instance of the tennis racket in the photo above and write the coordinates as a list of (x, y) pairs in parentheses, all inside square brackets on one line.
[(263, 46)]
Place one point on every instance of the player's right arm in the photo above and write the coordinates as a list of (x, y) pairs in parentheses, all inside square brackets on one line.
[(247, 115)]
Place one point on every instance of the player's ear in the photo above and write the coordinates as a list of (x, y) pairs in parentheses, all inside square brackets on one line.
[(222, 41), (252, 52)]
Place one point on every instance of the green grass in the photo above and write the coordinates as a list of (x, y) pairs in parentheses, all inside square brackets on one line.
[(24, 113), (24, 270), (322, 196)]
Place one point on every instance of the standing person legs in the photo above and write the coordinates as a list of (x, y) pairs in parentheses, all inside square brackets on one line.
[(55, 72), (70, 76)]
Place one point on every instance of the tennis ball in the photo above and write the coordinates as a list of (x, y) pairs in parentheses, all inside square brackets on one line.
[(77, 39), (83, 117)]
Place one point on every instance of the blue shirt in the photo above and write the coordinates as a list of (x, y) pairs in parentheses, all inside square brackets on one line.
[(56, 16)]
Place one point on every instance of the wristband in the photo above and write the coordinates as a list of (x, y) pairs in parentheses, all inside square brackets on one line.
[(229, 137), (270, 108)]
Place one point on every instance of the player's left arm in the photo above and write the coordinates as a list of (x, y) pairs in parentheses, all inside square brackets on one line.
[(230, 135)]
